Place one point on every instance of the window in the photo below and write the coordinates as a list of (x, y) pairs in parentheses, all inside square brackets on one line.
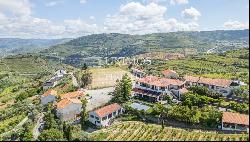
[(97, 118), (110, 115), (114, 113), (119, 111), (104, 118), (98, 121), (92, 116)]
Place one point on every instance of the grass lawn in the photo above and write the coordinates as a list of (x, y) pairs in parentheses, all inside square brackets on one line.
[(106, 77)]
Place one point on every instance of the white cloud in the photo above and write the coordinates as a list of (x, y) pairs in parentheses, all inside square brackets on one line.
[(135, 18), (92, 17), (16, 7), (83, 1), (191, 13), (234, 25), (173, 2), (53, 3)]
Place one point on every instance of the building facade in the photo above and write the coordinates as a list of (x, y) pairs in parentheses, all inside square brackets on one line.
[(48, 97), (68, 109), (235, 122), (104, 116)]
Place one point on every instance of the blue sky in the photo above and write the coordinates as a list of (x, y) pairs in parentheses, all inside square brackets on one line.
[(73, 18)]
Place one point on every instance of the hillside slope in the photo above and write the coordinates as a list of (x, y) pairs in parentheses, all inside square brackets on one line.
[(107, 45), (13, 46)]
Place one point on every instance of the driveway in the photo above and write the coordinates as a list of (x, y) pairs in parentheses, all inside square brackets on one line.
[(36, 131), (99, 97)]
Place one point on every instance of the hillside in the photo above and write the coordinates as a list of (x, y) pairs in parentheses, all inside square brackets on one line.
[(12, 46), (138, 131), (114, 44)]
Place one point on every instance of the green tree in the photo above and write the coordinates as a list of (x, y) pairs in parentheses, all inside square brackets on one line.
[(123, 89), (51, 135), (84, 114), (86, 78)]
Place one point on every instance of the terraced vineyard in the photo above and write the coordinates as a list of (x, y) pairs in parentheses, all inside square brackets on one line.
[(138, 131)]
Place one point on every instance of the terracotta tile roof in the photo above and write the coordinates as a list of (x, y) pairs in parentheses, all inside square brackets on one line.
[(167, 72), (209, 81), (160, 82), (65, 102), (50, 92), (71, 95), (101, 112), (183, 90), (235, 118)]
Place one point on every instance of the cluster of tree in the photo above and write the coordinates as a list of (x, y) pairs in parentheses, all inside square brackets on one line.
[(241, 93), (206, 116), (28, 93), (239, 107), (201, 90), (122, 90), (86, 77), (192, 99)]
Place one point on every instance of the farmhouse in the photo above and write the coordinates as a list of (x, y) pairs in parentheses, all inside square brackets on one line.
[(235, 121), (104, 115), (154, 88), (222, 86), (68, 109), (51, 82), (60, 73), (73, 95), (48, 96), (169, 73)]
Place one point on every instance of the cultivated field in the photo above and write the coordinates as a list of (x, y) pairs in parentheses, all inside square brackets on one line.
[(106, 77), (138, 131)]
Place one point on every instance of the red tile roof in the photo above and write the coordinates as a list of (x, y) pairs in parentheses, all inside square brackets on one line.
[(65, 102), (183, 90), (167, 72), (209, 81), (235, 118), (50, 92), (160, 82), (72, 95), (101, 112)]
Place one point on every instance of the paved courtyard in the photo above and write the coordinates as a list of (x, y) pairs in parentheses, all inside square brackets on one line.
[(99, 97)]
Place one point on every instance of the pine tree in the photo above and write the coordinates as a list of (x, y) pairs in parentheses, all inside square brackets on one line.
[(84, 114)]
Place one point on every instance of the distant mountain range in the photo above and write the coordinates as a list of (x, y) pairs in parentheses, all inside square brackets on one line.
[(116, 45), (12, 46)]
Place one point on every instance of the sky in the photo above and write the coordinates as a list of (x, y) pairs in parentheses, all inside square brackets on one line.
[(74, 18)]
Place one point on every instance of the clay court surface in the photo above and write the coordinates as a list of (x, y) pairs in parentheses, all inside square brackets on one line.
[(106, 77)]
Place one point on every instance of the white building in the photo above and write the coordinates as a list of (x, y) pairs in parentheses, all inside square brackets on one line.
[(60, 73), (104, 115), (222, 86), (68, 109), (154, 88), (48, 96), (235, 122)]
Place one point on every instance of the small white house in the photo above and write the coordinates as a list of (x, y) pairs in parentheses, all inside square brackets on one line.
[(60, 73), (102, 116), (235, 122), (68, 109), (49, 96)]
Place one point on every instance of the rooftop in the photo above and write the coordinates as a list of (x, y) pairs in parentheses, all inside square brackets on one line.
[(160, 82), (168, 71), (101, 112), (50, 92), (75, 94), (153, 93), (235, 118), (65, 102), (209, 81)]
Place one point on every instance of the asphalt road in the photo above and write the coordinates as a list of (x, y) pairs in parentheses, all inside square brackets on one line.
[(99, 97)]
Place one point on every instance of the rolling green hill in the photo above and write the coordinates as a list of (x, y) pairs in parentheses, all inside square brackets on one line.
[(114, 44)]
